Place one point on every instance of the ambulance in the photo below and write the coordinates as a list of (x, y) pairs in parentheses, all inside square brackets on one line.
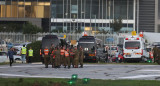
[(134, 48)]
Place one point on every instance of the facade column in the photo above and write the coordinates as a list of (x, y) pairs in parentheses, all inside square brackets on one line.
[(156, 16)]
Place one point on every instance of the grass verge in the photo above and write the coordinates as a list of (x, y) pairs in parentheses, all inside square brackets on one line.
[(79, 82)]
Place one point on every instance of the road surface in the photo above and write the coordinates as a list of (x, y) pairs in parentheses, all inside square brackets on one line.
[(93, 71)]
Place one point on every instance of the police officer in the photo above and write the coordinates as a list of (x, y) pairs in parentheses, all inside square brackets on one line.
[(30, 55), (67, 58), (72, 57), (155, 53), (46, 56), (52, 57), (76, 57), (81, 57), (23, 53), (62, 55), (51, 54), (57, 57)]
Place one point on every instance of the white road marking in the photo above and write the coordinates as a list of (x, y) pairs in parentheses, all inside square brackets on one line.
[(150, 70), (138, 76), (31, 76)]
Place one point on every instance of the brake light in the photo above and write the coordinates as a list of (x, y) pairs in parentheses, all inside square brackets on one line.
[(142, 52), (126, 38), (137, 38)]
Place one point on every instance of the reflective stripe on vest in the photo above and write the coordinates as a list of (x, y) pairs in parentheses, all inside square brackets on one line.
[(46, 51), (62, 52), (30, 52), (24, 50), (40, 52), (66, 54)]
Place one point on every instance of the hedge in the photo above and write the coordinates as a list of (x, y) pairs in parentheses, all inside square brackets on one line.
[(36, 50)]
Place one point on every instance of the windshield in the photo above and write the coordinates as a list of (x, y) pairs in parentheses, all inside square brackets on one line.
[(90, 46), (113, 48), (132, 45), (48, 42)]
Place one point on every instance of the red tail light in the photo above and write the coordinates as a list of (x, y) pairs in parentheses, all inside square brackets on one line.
[(137, 38), (126, 38), (142, 52)]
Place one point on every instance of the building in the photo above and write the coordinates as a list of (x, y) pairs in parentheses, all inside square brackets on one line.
[(80, 15), (20, 11), (72, 15)]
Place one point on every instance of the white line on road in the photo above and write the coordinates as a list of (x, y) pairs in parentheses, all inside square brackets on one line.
[(138, 76), (149, 70), (31, 76)]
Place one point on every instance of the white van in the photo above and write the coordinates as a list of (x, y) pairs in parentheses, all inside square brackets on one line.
[(134, 48)]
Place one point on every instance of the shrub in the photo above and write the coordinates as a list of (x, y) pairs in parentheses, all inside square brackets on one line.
[(36, 50)]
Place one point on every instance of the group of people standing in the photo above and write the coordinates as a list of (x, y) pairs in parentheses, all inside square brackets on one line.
[(63, 56)]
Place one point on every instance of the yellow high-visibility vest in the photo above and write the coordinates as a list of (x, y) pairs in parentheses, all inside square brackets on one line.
[(24, 50), (30, 52)]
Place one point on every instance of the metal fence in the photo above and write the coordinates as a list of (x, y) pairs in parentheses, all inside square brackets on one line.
[(110, 39)]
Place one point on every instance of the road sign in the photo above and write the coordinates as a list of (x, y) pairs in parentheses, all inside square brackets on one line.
[(133, 33)]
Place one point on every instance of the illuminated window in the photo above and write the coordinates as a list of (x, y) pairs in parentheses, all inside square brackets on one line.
[(8, 10), (2, 10), (27, 3), (34, 3), (20, 3), (14, 10), (34, 11), (21, 11), (28, 11), (47, 3), (40, 3), (14, 2), (40, 12)]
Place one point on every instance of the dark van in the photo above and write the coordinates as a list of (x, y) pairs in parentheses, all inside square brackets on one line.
[(88, 43)]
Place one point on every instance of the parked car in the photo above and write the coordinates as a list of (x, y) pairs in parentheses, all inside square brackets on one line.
[(18, 47), (3, 57)]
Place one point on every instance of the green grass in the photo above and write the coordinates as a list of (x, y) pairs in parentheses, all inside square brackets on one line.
[(4, 63), (79, 82)]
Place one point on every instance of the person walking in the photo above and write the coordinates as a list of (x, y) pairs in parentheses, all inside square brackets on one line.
[(76, 57), (46, 57), (50, 53), (81, 57), (23, 53), (53, 57), (10, 54), (30, 55)]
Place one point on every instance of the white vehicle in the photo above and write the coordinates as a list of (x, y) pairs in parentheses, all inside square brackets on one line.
[(112, 50), (3, 45), (134, 48), (18, 47), (3, 57)]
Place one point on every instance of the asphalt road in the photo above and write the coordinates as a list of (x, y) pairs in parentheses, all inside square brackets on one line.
[(93, 71)]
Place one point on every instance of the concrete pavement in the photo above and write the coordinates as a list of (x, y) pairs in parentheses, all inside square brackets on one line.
[(93, 71)]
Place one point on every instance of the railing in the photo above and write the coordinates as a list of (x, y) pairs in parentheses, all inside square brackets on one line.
[(110, 39)]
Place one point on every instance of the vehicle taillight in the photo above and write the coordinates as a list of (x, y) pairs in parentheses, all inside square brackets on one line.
[(142, 52), (137, 38), (126, 38)]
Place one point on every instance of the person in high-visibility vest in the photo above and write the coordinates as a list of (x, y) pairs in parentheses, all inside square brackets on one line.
[(62, 55), (30, 55), (67, 58), (23, 53), (46, 57)]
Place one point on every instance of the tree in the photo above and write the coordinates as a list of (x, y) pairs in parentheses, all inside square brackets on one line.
[(116, 24), (28, 28)]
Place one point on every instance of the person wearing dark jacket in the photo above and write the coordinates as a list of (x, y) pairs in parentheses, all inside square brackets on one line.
[(11, 52)]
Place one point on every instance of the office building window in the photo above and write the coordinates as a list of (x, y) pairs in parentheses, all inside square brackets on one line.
[(14, 11), (2, 10)]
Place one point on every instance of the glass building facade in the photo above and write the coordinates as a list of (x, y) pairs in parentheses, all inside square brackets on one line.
[(71, 15), (24, 8)]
